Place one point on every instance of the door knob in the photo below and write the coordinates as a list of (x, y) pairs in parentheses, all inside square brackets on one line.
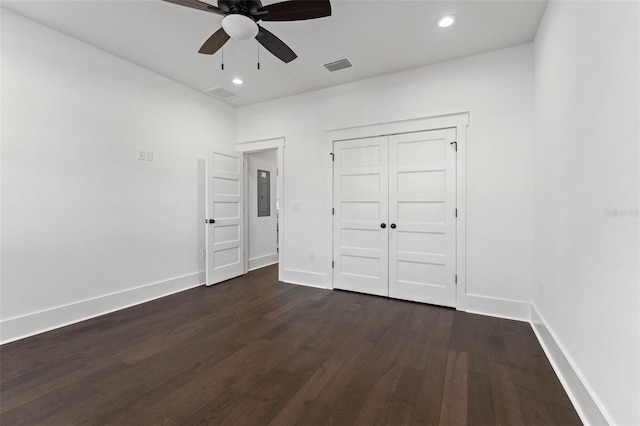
[(393, 226), (383, 225)]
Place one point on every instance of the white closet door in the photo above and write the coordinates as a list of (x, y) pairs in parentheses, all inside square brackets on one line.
[(361, 245), (225, 221), (422, 197)]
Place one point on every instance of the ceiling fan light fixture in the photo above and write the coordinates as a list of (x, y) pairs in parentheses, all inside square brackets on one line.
[(446, 21), (240, 27)]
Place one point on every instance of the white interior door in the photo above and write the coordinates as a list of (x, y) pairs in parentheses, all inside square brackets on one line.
[(225, 220), (360, 207), (422, 215), (395, 216)]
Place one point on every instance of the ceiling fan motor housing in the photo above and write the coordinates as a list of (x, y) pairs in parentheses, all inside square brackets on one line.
[(243, 7)]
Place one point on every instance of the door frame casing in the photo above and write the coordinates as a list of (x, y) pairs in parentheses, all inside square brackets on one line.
[(459, 121), (250, 147)]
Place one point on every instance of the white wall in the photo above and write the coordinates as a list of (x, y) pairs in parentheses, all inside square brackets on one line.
[(496, 88), (586, 167), (85, 224), (86, 228), (263, 237)]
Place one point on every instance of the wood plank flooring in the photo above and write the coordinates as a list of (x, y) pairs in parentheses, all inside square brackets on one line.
[(253, 351)]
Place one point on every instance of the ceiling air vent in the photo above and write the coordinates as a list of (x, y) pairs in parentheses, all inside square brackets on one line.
[(338, 65), (221, 93)]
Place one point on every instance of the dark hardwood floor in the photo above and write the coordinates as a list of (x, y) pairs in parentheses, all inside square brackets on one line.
[(253, 351)]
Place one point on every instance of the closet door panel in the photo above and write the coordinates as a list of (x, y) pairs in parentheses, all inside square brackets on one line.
[(422, 189), (360, 244)]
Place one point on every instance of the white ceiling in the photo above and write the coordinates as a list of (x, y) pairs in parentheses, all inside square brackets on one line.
[(377, 36)]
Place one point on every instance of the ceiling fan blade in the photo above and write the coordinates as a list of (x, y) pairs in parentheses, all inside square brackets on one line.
[(294, 10), (215, 42), (195, 4), (274, 45)]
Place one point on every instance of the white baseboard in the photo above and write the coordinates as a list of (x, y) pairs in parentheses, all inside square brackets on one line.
[(16, 328), (306, 278), (323, 287), (501, 308), (262, 261), (580, 394)]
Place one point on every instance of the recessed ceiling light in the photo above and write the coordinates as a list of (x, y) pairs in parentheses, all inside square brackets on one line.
[(237, 81), (446, 21)]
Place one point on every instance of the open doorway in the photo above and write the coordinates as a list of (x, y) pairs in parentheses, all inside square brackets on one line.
[(263, 219), (262, 208)]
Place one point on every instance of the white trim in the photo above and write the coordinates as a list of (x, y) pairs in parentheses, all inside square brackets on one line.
[(260, 145), (323, 287), (459, 121), (262, 261), (307, 278), (257, 146), (461, 205), (496, 307), (443, 121), (590, 410), (16, 328)]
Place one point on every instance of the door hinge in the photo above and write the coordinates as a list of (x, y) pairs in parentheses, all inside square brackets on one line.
[(455, 145), (456, 212), (333, 264), (333, 156), (456, 279), (333, 210)]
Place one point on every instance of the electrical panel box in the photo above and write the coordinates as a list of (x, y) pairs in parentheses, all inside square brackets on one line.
[(264, 193)]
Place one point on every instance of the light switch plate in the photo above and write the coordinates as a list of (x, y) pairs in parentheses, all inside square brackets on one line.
[(148, 155), (140, 154)]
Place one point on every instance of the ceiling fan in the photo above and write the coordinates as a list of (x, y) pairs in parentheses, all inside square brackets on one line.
[(241, 18)]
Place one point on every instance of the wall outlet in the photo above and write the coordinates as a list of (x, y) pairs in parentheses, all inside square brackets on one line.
[(312, 255), (296, 205), (140, 154), (148, 155)]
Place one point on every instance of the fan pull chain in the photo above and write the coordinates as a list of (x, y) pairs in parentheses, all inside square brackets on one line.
[(222, 62), (258, 57)]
